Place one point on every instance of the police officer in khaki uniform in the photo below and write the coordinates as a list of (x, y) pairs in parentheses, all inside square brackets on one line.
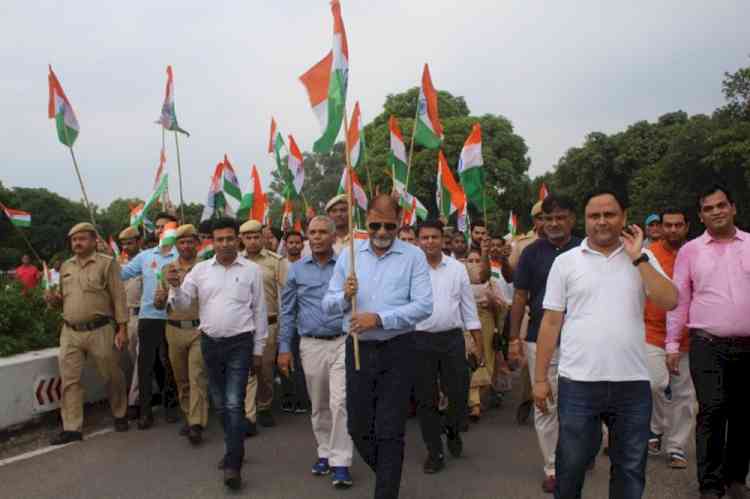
[(260, 387), (130, 242), (336, 210), (183, 338), (92, 298)]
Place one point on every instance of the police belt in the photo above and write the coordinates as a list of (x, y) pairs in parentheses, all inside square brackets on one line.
[(184, 324), (89, 326)]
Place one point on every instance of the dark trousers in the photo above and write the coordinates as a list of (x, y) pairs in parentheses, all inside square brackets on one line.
[(440, 356), (625, 407), (153, 363), (720, 369), (294, 386), (377, 403), (228, 363)]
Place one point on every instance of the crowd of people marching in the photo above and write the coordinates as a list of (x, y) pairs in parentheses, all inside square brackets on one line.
[(625, 338)]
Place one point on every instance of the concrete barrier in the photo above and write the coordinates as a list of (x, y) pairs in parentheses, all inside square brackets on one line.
[(30, 385)]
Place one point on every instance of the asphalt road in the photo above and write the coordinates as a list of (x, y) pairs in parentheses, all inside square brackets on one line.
[(501, 460)]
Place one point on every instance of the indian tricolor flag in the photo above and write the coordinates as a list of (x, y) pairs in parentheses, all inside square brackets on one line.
[(413, 209), (470, 168), (429, 131), (397, 158), (168, 118), (450, 196), (543, 192), (206, 249), (46, 276), (253, 206), (326, 84), (287, 215), (495, 269), (17, 217), (231, 188), (512, 224), (61, 111), (296, 166), (137, 213), (356, 139), (113, 246), (358, 193), (168, 235)]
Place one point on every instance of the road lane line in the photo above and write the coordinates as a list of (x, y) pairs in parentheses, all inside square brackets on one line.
[(50, 448)]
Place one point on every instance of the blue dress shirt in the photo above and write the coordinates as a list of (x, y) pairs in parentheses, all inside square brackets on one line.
[(396, 286), (147, 263), (301, 298)]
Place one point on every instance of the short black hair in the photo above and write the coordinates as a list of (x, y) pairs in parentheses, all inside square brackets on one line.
[(618, 197), (459, 234), (478, 223), (713, 189), (164, 214), (556, 202), (293, 233), (276, 233), (673, 210), (407, 228), (497, 235), (225, 223), (393, 202), (205, 227), (430, 224)]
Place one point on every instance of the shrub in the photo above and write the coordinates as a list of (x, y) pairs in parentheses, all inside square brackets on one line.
[(26, 323)]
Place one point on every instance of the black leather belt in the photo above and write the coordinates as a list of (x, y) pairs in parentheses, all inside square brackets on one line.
[(184, 324), (729, 340), (272, 320), (326, 338), (447, 331), (89, 326)]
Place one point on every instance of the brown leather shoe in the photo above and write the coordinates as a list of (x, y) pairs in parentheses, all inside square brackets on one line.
[(232, 479), (548, 485)]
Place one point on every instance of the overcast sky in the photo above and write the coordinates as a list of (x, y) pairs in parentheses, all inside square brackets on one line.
[(557, 70)]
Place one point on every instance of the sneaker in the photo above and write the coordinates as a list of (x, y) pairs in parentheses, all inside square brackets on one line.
[(654, 445), (287, 407), (548, 485), (265, 418), (66, 437), (301, 409), (321, 467), (677, 461), (232, 479), (341, 477), (433, 464)]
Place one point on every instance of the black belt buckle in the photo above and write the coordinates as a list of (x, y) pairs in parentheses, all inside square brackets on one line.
[(326, 338), (89, 326)]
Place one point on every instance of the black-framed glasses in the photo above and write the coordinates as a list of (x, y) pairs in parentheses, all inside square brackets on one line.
[(376, 226)]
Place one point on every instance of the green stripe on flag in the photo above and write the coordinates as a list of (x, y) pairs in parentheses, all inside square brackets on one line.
[(424, 136), (335, 115)]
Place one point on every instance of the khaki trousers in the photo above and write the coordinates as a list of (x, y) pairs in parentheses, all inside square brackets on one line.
[(74, 348), (259, 391), (189, 373), (546, 425), (133, 352), (324, 363), (674, 419)]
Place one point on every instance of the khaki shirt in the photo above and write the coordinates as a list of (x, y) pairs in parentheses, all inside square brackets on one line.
[(274, 277), (521, 244), (92, 289), (190, 314)]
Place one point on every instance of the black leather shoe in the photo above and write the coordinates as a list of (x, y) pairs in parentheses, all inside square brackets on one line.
[(265, 418), (434, 464), (185, 430), (121, 424), (454, 443), (195, 434), (66, 437), (146, 422), (232, 479), (134, 412)]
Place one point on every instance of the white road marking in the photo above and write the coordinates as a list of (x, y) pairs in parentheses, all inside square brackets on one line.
[(50, 448)]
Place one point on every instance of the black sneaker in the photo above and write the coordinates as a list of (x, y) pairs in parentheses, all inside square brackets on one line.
[(195, 434), (434, 464), (121, 424), (66, 437), (287, 407), (301, 409), (265, 418), (251, 429), (232, 479), (454, 442)]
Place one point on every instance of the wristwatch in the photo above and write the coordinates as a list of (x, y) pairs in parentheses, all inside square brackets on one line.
[(641, 259)]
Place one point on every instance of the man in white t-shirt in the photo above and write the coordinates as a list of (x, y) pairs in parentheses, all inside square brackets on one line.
[(599, 289)]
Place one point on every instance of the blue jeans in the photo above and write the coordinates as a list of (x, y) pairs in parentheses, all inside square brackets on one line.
[(228, 362), (625, 407)]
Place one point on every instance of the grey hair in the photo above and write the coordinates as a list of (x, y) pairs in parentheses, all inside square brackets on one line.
[(327, 220)]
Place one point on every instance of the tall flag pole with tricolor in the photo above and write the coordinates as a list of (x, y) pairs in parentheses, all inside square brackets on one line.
[(168, 121), (277, 147), (296, 167), (138, 213), (470, 169), (450, 196), (326, 84), (512, 224), (358, 194), (397, 157), (253, 205), (18, 219), (66, 122)]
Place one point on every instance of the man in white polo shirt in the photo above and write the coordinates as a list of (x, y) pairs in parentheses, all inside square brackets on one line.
[(599, 289)]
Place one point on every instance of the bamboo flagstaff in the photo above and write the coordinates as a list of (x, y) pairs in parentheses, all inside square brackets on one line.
[(179, 174), (349, 200), (83, 189)]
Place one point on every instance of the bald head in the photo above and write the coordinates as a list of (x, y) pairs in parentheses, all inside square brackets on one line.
[(384, 204)]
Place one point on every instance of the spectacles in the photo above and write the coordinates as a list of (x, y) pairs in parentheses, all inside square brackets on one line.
[(376, 226)]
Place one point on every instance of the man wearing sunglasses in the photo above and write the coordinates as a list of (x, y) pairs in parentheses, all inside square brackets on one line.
[(392, 292)]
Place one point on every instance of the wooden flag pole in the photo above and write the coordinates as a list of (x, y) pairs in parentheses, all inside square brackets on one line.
[(411, 147), (83, 189), (350, 203), (179, 175)]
